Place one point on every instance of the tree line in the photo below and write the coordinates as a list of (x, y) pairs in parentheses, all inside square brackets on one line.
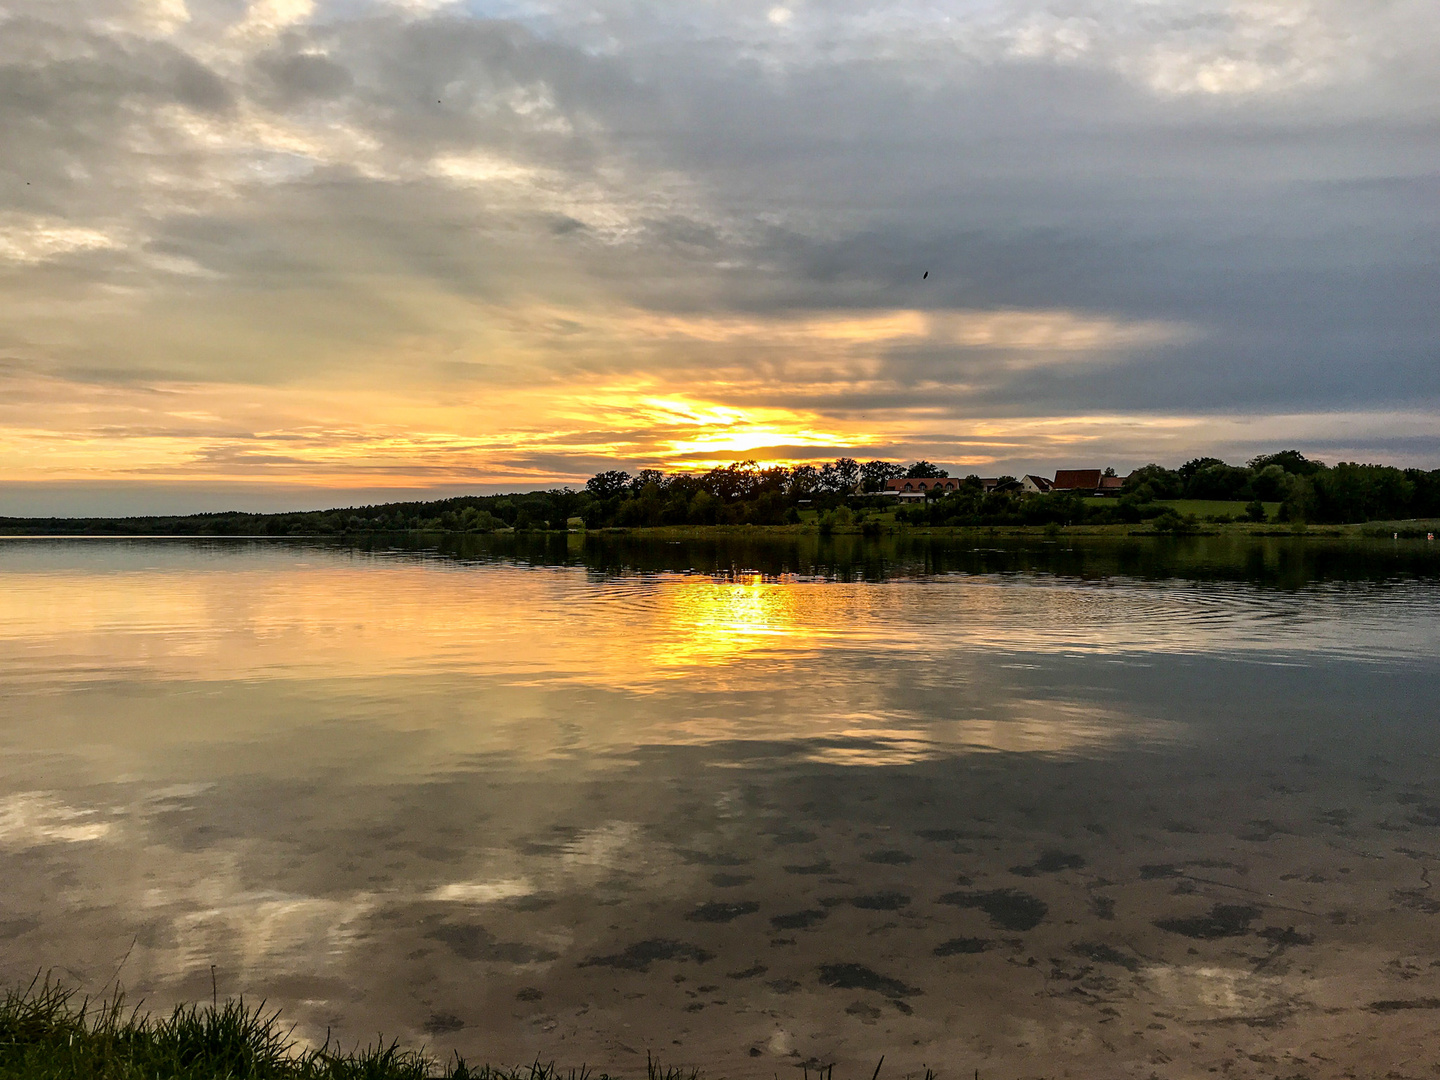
[(1306, 489), (842, 493)]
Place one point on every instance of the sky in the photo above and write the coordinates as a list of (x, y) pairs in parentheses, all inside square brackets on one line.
[(267, 254)]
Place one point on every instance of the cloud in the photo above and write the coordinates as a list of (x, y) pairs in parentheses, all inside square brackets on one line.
[(1204, 209), (35, 239), (267, 18)]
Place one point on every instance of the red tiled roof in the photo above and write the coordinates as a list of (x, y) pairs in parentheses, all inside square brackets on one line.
[(1077, 480), (913, 483)]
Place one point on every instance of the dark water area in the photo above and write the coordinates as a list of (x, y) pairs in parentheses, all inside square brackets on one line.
[(1120, 806), (1284, 562)]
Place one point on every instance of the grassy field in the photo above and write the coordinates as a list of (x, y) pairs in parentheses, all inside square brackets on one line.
[(1201, 508), (1409, 529), (811, 516)]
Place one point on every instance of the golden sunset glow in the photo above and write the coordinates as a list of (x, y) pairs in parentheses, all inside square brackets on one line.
[(537, 395), (713, 623), (449, 427), (344, 435), (704, 402), (292, 620), (353, 251)]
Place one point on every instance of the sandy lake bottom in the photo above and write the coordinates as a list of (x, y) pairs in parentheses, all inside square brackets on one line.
[(1027, 824)]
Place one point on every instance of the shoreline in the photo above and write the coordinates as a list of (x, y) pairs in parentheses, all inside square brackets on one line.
[(1415, 529), (44, 1032)]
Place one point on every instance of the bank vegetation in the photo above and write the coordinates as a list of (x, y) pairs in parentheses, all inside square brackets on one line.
[(1284, 489)]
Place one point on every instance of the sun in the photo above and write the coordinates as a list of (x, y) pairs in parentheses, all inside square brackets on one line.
[(720, 433)]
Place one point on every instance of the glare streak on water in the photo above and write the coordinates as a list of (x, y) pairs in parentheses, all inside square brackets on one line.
[(264, 616)]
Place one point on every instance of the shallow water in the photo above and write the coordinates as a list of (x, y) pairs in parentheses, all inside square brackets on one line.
[(1037, 808)]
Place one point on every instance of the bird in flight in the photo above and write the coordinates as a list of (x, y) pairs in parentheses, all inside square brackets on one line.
[(925, 275)]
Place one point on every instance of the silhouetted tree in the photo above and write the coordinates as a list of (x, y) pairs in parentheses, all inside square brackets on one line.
[(925, 471), (873, 474), (646, 477), (841, 475), (605, 485), (804, 481)]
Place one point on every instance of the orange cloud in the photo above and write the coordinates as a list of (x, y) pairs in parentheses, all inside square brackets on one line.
[(705, 399)]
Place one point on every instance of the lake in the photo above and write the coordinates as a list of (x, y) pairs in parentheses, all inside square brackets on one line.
[(1119, 807)]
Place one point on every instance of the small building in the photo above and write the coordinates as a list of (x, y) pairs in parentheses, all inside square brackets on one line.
[(1035, 485), (1084, 481), (1087, 482), (1001, 484), (910, 485)]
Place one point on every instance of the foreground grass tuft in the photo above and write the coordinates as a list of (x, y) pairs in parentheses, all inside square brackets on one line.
[(48, 1033)]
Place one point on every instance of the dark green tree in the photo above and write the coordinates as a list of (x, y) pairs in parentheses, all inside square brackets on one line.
[(1218, 482), (1194, 465), (1355, 492), (1150, 482), (1292, 461), (925, 471)]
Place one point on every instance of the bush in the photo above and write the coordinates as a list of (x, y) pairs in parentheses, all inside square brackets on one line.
[(1169, 521), (473, 519)]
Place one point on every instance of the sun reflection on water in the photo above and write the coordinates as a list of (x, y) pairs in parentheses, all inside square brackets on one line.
[(707, 623), (547, 662)]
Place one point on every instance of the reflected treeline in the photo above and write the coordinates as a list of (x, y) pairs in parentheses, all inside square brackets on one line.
[(1276, 562)]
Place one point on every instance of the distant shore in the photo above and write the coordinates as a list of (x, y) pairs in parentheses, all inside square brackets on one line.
[(197, 527), (1404, 530)]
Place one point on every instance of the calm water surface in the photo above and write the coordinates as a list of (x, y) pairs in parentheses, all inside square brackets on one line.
[(1036, 809)]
